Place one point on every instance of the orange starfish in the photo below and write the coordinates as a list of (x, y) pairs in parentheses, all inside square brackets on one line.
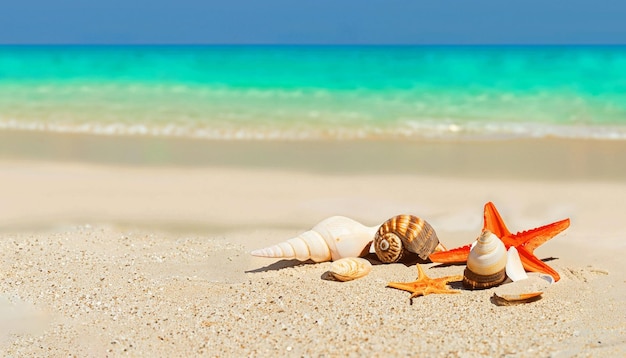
[(426, 285), (525, 242)]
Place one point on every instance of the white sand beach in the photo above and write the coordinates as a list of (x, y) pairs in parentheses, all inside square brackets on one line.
[(107, 258)]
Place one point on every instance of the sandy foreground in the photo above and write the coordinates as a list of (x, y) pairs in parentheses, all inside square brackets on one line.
[(111, 260)]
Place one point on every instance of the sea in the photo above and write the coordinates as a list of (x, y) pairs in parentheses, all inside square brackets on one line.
[(303, 93)]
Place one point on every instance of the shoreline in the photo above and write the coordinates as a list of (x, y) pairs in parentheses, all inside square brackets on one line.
[(527, 159), (219, 198)]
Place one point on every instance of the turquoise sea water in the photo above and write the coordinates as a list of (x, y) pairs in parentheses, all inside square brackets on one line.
[(311, 92)]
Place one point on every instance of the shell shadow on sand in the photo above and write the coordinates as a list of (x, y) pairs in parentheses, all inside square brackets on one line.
[(408, 260), (279, 265), (502, 302)]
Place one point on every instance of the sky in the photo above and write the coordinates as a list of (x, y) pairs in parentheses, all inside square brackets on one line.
[(313, 22)]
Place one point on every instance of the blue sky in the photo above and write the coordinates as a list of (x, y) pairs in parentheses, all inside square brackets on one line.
[(313, 22)]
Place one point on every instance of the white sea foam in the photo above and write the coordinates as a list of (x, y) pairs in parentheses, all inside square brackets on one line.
[(407, 130)]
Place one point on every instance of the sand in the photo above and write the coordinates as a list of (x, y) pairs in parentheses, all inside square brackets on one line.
[(106, 257)]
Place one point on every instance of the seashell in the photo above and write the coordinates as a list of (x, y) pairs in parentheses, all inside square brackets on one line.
[(402, 234), (350, 268), (514, 268), (486, 262), (544, 276), (332, 239), (522, 291)]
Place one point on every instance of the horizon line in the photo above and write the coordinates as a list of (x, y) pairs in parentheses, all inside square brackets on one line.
[(147, 44)]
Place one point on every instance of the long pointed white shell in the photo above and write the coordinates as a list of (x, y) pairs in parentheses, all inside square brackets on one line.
[(333, 238), (350, 268), (514, 268)]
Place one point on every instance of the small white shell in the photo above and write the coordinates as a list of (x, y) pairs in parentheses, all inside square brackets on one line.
[(350, 268), (331, 239), (514, 268), (548, 278)]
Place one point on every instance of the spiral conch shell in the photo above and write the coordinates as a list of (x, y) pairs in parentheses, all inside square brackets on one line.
[(350, 268), (486, 262), (332, 239), (404, 233)]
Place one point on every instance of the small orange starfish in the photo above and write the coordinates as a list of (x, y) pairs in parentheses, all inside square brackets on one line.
[(525, 242), (426, 285)]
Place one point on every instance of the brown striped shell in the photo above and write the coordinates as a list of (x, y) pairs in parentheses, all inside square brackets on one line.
[(474, 281), (402, 234)]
